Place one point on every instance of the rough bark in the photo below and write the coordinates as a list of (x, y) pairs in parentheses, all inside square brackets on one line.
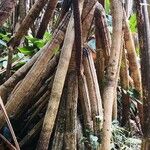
[(57, 88), (34, 77), (9, 63), (22, 9), (92, 93), (102, 29), (93, 99), (87, 18), (115, 103), (6, 7), (132, 57), (100, 60), (111, 75), (134, 66), (27, 100), (85, 103), (124, 79), (71, 112), (58, 85), (95, 80), (78, 37), (46, 18), (88, 6), (129, 4), (103, 43), (144, 40), (27, 23), (58, 139)]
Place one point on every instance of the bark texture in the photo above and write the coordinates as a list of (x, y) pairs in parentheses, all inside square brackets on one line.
[(46, 18), (144, 40), (6, 7), (57, 88), (111, 76), (132, 57), (33, 79), (71, 115), (27, 22)]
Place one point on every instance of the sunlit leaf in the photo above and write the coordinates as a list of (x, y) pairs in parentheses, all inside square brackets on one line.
[(26, 50), (107, 6), (133, 23)]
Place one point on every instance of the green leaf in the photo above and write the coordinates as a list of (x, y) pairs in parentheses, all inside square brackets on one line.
[(107, 6), (47, 36), (5, 37), (31, 39), (26, 50), (133, 23), (39, 43)]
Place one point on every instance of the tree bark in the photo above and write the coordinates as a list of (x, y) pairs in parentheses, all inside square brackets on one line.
[(144, 40), (22, 9), (46, 18), (124, 79), (27, 23), (132, 57), (111, 76), (8, 86), (6, 7), (85, 103), (71, 114), (57, 88), (103, 44), (87, 18), (33, 79)]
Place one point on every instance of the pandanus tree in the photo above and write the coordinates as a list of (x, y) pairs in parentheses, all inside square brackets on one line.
[(66, 95)]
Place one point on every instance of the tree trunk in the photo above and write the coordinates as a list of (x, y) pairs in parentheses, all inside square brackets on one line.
[(8, 86), (71, 114), (22, 9), (57, 88), (27, 22), (117, 14), (103, 44), (33, 79), (46, 18), (144, 40), (6, 7), (133, 62)]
